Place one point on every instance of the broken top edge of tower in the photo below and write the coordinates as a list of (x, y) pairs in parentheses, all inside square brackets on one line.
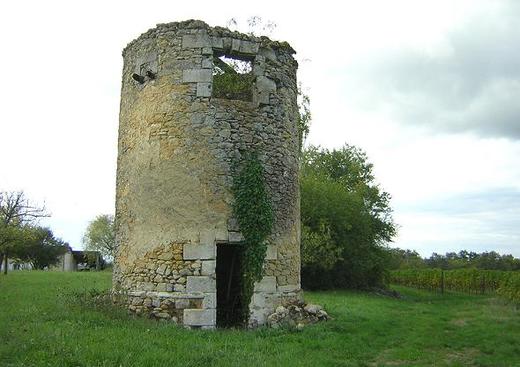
[(162, 28)]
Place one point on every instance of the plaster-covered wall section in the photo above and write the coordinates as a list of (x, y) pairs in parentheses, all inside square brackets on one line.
[(178, 147)]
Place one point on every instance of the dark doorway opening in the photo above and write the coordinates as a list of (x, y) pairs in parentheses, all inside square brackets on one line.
[(230, 308)]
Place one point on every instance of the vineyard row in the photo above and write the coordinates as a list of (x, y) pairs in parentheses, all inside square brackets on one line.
[(473, 281)]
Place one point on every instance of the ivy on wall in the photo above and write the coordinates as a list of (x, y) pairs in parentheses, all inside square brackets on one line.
[(253, 210)]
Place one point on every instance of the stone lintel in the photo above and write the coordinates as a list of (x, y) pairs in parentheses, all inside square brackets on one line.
[(221, 234), (248, 47), (235, 237), (199, 252)]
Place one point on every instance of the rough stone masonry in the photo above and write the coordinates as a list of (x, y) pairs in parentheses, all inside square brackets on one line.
[(177, 147)]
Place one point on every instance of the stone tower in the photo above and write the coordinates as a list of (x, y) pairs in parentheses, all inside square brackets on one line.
[(180, 135)]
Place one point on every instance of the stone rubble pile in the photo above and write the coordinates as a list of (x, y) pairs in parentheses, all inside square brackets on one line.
[(297, 315)]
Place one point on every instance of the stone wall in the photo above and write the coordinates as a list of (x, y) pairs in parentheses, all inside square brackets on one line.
[(178, 148)]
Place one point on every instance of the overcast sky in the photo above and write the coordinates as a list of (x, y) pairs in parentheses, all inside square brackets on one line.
[(429, 89)]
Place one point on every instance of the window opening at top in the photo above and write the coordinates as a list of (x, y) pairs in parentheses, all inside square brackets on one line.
[(232, 78)]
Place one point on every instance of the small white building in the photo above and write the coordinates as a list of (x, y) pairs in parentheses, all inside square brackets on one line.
[(13, 264), (73, 260)]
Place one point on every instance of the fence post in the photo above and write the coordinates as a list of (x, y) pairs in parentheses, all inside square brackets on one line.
[(442, 281)]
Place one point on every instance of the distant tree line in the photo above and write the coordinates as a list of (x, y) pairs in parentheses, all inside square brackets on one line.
[(489, 260)]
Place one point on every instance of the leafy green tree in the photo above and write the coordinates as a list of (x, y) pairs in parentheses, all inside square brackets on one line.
[(39, 247), (100, 235), (304, 116), (16, 214), (338, 188), (404, 259), (319, 251)]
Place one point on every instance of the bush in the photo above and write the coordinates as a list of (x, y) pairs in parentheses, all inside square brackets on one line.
[(346, 221)]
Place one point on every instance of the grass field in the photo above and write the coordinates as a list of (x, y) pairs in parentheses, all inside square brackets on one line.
[(42, 325)]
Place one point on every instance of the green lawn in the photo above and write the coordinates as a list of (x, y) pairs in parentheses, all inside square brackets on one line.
[(40, 326)]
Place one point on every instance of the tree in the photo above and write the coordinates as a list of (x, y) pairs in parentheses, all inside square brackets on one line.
[(100, 235), (466, 259), (39, 247), (340, 200), (304, 116), (404, 259), (16, 214)]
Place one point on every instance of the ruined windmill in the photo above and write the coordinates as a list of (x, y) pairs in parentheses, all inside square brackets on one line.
[(188, 118)]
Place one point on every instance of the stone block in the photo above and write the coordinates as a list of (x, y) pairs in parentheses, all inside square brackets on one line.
[(161, 287), (258, 317), (217, 42), (263, 83), (137, 293), (235, 237), (272, 301), (197, 76), (182, 303), (147, 286), (146, 62), (289, 288), (232, 224), (262, 97), (196, 40), (179, 288), (207, 63), (268, 53), (199, 252), (200, 317), (266, 285), (207, 51), (247, 47), (235, 45), (210, 301), (258, 70), (258, 300), (201, 284), (204, 89), (207, 237), (272, 252), (208, 267), (226, 43), (221, 234)]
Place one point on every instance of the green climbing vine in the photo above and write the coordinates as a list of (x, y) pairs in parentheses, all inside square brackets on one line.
[(253, 210)]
